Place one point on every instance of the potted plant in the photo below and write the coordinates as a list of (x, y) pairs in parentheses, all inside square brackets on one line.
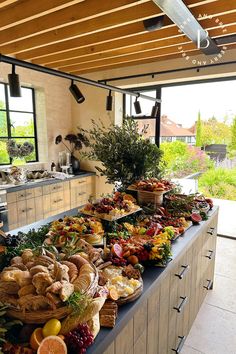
[(76, 143), (126, 156)]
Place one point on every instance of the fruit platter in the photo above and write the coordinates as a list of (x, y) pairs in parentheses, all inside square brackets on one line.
[(72, 229), (151, 190), (112, 207)]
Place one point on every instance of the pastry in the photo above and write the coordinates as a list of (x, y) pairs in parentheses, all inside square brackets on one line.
[(41, 281)]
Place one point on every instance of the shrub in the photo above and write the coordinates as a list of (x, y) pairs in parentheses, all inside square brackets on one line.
[(182, 159), (219, 183)]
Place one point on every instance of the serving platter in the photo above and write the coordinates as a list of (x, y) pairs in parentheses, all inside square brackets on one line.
[(108, 217)]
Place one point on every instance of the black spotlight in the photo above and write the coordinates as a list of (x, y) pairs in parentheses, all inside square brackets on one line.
[(137, 106), (76, 93), (152, 24), (14, 83), (155, 110), (109, 102)]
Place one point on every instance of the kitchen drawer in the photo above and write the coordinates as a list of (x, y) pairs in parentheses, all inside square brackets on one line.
[(29, 193), (56, 187), (20, 195), (11, 197), (78, 182)]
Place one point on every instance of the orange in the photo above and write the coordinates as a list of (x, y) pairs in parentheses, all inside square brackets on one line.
[(113, 294), (133, 259), (36, 338), (52, 345)]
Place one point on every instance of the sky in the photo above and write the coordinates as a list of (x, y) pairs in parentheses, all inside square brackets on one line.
[(182, 103)]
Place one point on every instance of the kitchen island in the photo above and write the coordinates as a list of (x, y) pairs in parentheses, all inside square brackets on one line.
[(159, 321)]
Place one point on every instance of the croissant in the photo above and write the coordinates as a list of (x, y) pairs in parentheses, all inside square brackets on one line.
[(73, 271), (41, 281)]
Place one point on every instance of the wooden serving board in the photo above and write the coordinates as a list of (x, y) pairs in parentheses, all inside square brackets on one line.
[(130, 298)]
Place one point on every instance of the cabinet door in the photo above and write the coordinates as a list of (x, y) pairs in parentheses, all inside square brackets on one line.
[(56, 202), (22, 213), (30, 210), (12, 216), (47, 205), (163, 315), (38, 208), (153, 322)]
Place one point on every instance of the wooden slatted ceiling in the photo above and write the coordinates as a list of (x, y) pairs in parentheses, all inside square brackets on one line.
[(88, 35)]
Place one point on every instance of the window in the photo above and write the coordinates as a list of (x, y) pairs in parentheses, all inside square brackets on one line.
[(17, 121)]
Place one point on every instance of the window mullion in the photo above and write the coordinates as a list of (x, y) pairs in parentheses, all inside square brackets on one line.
[(8, 116)]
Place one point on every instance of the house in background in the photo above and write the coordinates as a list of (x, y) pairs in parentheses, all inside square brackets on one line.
[(171, 131)]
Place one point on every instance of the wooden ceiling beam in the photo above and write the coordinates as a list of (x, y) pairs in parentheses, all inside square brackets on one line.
[(154, 58), (80, 12), (145, 48), (156, 38), (139, 12), (91, 39), (26, 10), (4, 3)]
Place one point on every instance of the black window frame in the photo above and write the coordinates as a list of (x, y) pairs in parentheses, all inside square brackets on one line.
[(158, 89), (7, 110)]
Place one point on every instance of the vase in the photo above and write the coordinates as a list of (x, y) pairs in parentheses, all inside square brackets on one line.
[(75, 164), (18, 161)]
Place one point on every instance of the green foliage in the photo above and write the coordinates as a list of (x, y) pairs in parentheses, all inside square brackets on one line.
[(215, 132), (232, 145), (125, 154), (219, 183), (199, 131), (78, 302), (182, 159)]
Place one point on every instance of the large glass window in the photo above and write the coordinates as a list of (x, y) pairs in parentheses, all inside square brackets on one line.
[(17, 121)]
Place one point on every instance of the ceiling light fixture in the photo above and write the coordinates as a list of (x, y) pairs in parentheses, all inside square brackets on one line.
[(155, 110), (152, 24), (76, 93), (137, 106), (109, 102), (14, 83)]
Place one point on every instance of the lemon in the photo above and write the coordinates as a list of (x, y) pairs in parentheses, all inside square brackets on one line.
[(52, 327)]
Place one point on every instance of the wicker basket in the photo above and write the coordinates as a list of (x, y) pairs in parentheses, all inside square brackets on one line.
[(43, 316), (146, 197), (38, 317)]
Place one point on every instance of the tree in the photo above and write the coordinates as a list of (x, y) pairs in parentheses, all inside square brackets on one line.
[(199, 130), (215, 132), (233, 135)]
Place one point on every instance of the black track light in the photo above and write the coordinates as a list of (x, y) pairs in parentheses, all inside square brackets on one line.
[(76, 93), (14, 83), (155, 110), (152, 24), (109, 102), (137, 106)]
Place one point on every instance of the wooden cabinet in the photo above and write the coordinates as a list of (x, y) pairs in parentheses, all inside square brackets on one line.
[(33, 204), (163, 319)]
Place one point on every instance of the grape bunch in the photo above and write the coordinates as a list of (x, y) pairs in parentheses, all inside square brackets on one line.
[(79, 339), (13, 240)]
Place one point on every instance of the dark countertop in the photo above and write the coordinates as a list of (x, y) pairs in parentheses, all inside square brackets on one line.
[(151, 277), (45, 182)]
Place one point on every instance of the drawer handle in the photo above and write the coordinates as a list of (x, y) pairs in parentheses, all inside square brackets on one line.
[(183, 272), (209, 286), (211, 231), (58, 200), (184, 300), (56, 187), (210, 255), (21, 195), (180, 345), (29, 209), (82, 193)]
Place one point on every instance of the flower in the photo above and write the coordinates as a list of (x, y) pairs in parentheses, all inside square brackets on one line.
[(16, 150)]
